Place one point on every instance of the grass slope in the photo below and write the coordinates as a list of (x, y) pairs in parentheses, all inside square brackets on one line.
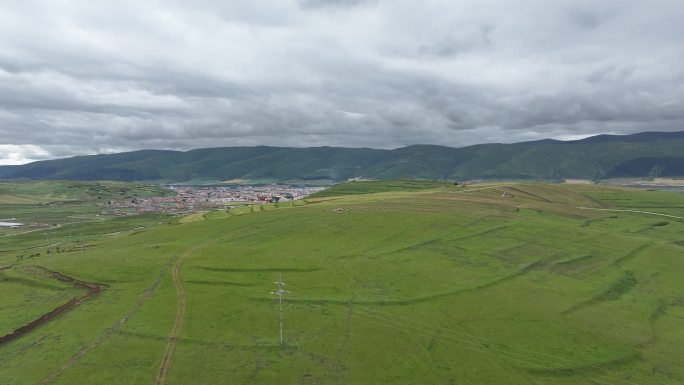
[(51, 191), (492, 284), (368, 187)]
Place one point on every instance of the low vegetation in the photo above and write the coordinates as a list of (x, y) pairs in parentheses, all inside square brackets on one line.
[(389, 282), (395, 185)]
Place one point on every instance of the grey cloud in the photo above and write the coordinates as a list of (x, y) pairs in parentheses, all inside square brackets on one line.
[(78, 78), (586, 18), (333, 3)]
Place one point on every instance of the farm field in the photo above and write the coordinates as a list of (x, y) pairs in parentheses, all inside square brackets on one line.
[(388, 283), (67, 213)]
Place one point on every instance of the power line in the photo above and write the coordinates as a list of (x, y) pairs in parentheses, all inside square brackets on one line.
[(474, 345), (537, 358), (280, 293), (530, 357)]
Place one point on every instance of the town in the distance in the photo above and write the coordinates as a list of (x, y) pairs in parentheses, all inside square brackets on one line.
[(192, 198)]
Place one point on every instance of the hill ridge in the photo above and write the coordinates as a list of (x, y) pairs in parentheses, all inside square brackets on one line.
[(636, 155)]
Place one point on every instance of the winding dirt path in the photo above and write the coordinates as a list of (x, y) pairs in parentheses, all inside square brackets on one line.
[(109, 331), (165, 366), (633, 211), (92, 289), (167, 359)]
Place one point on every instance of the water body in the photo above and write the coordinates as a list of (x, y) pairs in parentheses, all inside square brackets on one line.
[(678, 189), (9, 224)]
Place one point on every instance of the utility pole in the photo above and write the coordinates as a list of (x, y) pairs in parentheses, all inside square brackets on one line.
[(49, 235), (280, 293)]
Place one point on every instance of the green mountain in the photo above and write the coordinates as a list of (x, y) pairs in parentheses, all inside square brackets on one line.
[(637, 155)]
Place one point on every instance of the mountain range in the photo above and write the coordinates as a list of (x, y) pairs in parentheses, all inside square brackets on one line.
[(646, 154)]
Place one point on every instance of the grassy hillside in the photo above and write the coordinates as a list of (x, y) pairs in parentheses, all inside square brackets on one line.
[(49, 191), (369, 187), (492, 284), (638, 155), (68, 214)]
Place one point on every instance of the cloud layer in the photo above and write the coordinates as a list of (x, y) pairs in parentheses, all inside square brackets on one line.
[(89, 77)]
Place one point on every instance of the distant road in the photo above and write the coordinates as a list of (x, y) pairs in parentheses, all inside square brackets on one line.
[(59, 225), (633, 211)]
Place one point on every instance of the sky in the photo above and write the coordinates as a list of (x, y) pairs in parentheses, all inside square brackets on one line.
[(86, 77)]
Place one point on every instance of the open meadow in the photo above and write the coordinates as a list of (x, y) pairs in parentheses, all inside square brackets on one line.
[(387, 283)]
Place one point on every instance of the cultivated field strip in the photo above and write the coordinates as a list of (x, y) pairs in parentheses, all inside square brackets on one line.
[(110, 330), (91, 290)]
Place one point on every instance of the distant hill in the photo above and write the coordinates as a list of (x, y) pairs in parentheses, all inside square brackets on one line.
[(638, 155)]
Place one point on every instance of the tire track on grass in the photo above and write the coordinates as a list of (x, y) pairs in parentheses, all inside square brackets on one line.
[(613, 293), (633, 253), (633, 211), (109, 331), (165, 366), (169, 352)]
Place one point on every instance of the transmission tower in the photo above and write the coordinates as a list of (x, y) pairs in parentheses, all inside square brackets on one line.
[(280, 293)]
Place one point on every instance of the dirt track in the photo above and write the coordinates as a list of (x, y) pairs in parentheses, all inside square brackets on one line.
[(633, 211), (109, 331), (178, 324), (167, 360), (93, 288)]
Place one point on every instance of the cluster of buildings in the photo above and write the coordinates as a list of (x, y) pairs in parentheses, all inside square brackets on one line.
[(197, 198)]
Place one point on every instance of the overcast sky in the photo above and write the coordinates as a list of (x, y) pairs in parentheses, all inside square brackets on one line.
[(84, 77)]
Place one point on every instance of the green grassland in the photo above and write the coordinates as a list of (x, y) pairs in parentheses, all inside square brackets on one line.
[(27, 294), (51, 191), (69, 210), (389, 283), (72, 225), (368, 187)]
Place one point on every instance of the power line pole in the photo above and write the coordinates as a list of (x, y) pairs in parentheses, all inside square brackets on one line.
[(280, 293)]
